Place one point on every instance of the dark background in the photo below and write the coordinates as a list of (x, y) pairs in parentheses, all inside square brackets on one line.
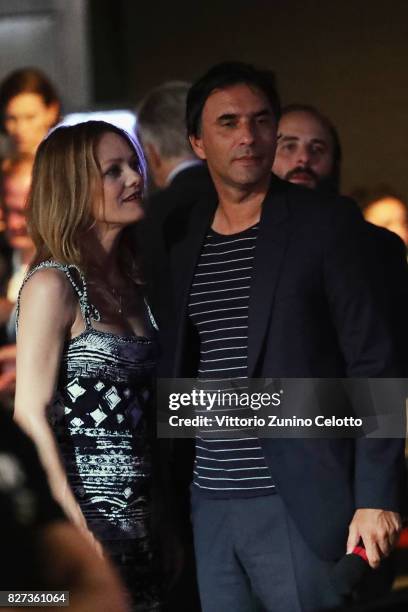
[(349, 58)]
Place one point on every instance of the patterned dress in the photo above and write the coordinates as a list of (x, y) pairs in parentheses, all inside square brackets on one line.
[(99, 421)]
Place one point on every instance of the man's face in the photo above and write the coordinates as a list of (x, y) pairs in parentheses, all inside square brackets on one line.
[(304, 154), (238, 136)]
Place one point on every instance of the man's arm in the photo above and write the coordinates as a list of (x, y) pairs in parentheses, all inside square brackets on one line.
[(359, 312)]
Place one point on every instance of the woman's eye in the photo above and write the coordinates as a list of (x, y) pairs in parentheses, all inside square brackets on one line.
[(113, 171)]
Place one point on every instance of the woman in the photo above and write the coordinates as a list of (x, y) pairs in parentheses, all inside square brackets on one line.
[(85, 341), (29, 107)]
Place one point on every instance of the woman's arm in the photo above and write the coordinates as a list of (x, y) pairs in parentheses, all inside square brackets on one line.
[(47, 312)]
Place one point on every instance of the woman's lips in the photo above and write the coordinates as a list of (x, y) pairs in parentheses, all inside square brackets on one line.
[(137, 195)]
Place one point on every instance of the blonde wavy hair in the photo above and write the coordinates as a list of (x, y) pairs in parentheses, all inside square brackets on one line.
[(66, 182)]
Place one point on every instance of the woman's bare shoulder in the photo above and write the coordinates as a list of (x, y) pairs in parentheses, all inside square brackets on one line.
[(50, 290)]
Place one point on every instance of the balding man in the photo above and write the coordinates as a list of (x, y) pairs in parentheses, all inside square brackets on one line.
[(308, 151), (180, 177), (161, 127), (309, 154)]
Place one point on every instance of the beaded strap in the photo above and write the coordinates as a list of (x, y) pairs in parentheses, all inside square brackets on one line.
[(88, 310), (151, 317)]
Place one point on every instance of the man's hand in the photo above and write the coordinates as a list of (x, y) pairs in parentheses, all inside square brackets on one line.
[(379, 530)]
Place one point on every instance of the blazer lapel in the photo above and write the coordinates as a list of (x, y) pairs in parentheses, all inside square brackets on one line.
[(184, 256), (269, 255)]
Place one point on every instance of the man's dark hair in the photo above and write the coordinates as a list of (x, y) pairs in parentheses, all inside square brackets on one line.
[(222, 76), (337, 153)]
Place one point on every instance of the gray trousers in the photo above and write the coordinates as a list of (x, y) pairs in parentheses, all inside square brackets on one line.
[(251, 558)]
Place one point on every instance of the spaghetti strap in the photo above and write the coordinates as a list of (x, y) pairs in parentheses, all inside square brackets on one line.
[(78, 282), (150, 315)]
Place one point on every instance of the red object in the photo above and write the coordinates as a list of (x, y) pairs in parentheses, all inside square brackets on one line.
[(360, 551), (403, 539)]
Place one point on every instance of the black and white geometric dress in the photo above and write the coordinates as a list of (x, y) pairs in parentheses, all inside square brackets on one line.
[(99, 421)]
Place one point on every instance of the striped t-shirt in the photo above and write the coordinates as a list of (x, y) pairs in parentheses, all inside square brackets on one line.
[(218, 307)]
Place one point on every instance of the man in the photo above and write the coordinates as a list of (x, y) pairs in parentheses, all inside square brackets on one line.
[(177, 173), (161, 128), (309, 154), (41, 550), (267, 280), (308, 151)]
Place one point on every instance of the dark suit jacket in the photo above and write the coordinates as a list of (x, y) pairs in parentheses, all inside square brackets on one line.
[(314, 312), (390, 268), (185, 189)]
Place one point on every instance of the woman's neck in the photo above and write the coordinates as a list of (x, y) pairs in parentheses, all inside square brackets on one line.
[(103, 249)]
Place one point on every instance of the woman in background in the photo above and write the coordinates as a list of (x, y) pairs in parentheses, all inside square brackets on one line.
[(29, 107), (85, 343)]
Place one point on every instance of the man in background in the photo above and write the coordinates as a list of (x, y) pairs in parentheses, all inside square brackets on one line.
[(308, 152), (180, 177), (161, 128)]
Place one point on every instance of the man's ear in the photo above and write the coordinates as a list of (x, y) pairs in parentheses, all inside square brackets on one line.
[(153, 157), (152, 154), (197, 146), (155, 163)]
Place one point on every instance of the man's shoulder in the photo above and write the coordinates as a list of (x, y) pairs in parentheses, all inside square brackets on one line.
[(390, 241), (312, 205), (187, 187), (195, 176)]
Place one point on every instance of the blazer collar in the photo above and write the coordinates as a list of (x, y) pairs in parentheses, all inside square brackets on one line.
[(269, 255), (186, 251), (184, 257)]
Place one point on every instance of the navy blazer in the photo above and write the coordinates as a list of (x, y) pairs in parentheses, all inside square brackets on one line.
[(315, 311)]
